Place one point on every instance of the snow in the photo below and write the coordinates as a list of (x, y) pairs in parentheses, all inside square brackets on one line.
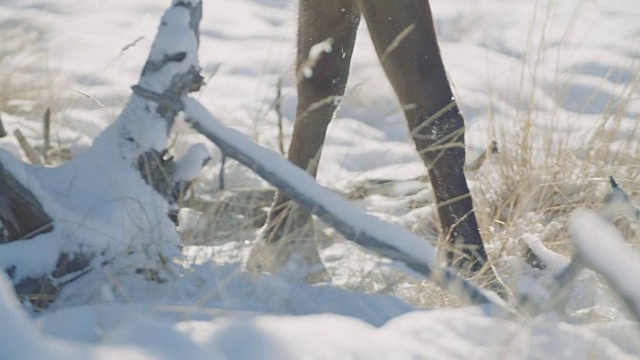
[(554, 261), (189, 166), (618, 204), (593, 237), (315, 52), (562, 64)]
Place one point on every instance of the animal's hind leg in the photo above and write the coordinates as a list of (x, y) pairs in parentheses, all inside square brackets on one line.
[(405, 40)]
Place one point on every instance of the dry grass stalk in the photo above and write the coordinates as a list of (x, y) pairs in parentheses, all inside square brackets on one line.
[(27, 148)]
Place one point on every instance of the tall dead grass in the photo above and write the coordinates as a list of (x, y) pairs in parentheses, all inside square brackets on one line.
[(26, 82), (553, 162)]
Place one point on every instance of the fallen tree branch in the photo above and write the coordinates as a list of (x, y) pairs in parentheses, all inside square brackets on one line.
[(388, 240)]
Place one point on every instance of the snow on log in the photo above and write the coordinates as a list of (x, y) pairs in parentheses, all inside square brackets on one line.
[(600, 247), (140, 136), (98, 202), (386, 239), (391, 241)]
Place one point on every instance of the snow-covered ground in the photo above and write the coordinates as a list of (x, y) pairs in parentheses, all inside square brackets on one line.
[(565, 66)]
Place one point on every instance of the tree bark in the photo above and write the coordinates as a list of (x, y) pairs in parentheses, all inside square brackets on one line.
[(21, 214)]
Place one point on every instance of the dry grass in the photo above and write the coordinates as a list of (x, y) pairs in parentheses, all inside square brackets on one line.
[(29, 91), (26, 82), (545, 170), (554, 161)]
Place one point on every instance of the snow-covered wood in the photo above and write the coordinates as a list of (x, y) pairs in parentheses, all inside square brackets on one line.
[(600, 247), (107, 179), (171, 69), (21, 214), (392, 241)]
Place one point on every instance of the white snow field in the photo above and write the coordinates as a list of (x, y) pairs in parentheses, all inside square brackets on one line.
[(556, 83)]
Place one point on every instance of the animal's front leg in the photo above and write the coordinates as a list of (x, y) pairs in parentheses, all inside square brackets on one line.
[(326, 36)]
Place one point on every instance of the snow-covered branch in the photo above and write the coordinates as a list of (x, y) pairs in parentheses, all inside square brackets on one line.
[(600, 247), (139, 135), (386, 239)]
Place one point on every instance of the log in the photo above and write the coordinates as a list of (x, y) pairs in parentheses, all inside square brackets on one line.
[(21, 214), (171, 69)]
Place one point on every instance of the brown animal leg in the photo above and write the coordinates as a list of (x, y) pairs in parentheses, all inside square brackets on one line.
[(322, 77), (405, 40)]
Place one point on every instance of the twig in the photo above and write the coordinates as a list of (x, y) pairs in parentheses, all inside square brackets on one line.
[(46, 134), (3, 133), (221, 175), (131, 44), (398, 39), (278, 109), (89, 97), (28, 150)]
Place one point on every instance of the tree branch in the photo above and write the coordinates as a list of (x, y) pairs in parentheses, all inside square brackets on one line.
[(388, 240)]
